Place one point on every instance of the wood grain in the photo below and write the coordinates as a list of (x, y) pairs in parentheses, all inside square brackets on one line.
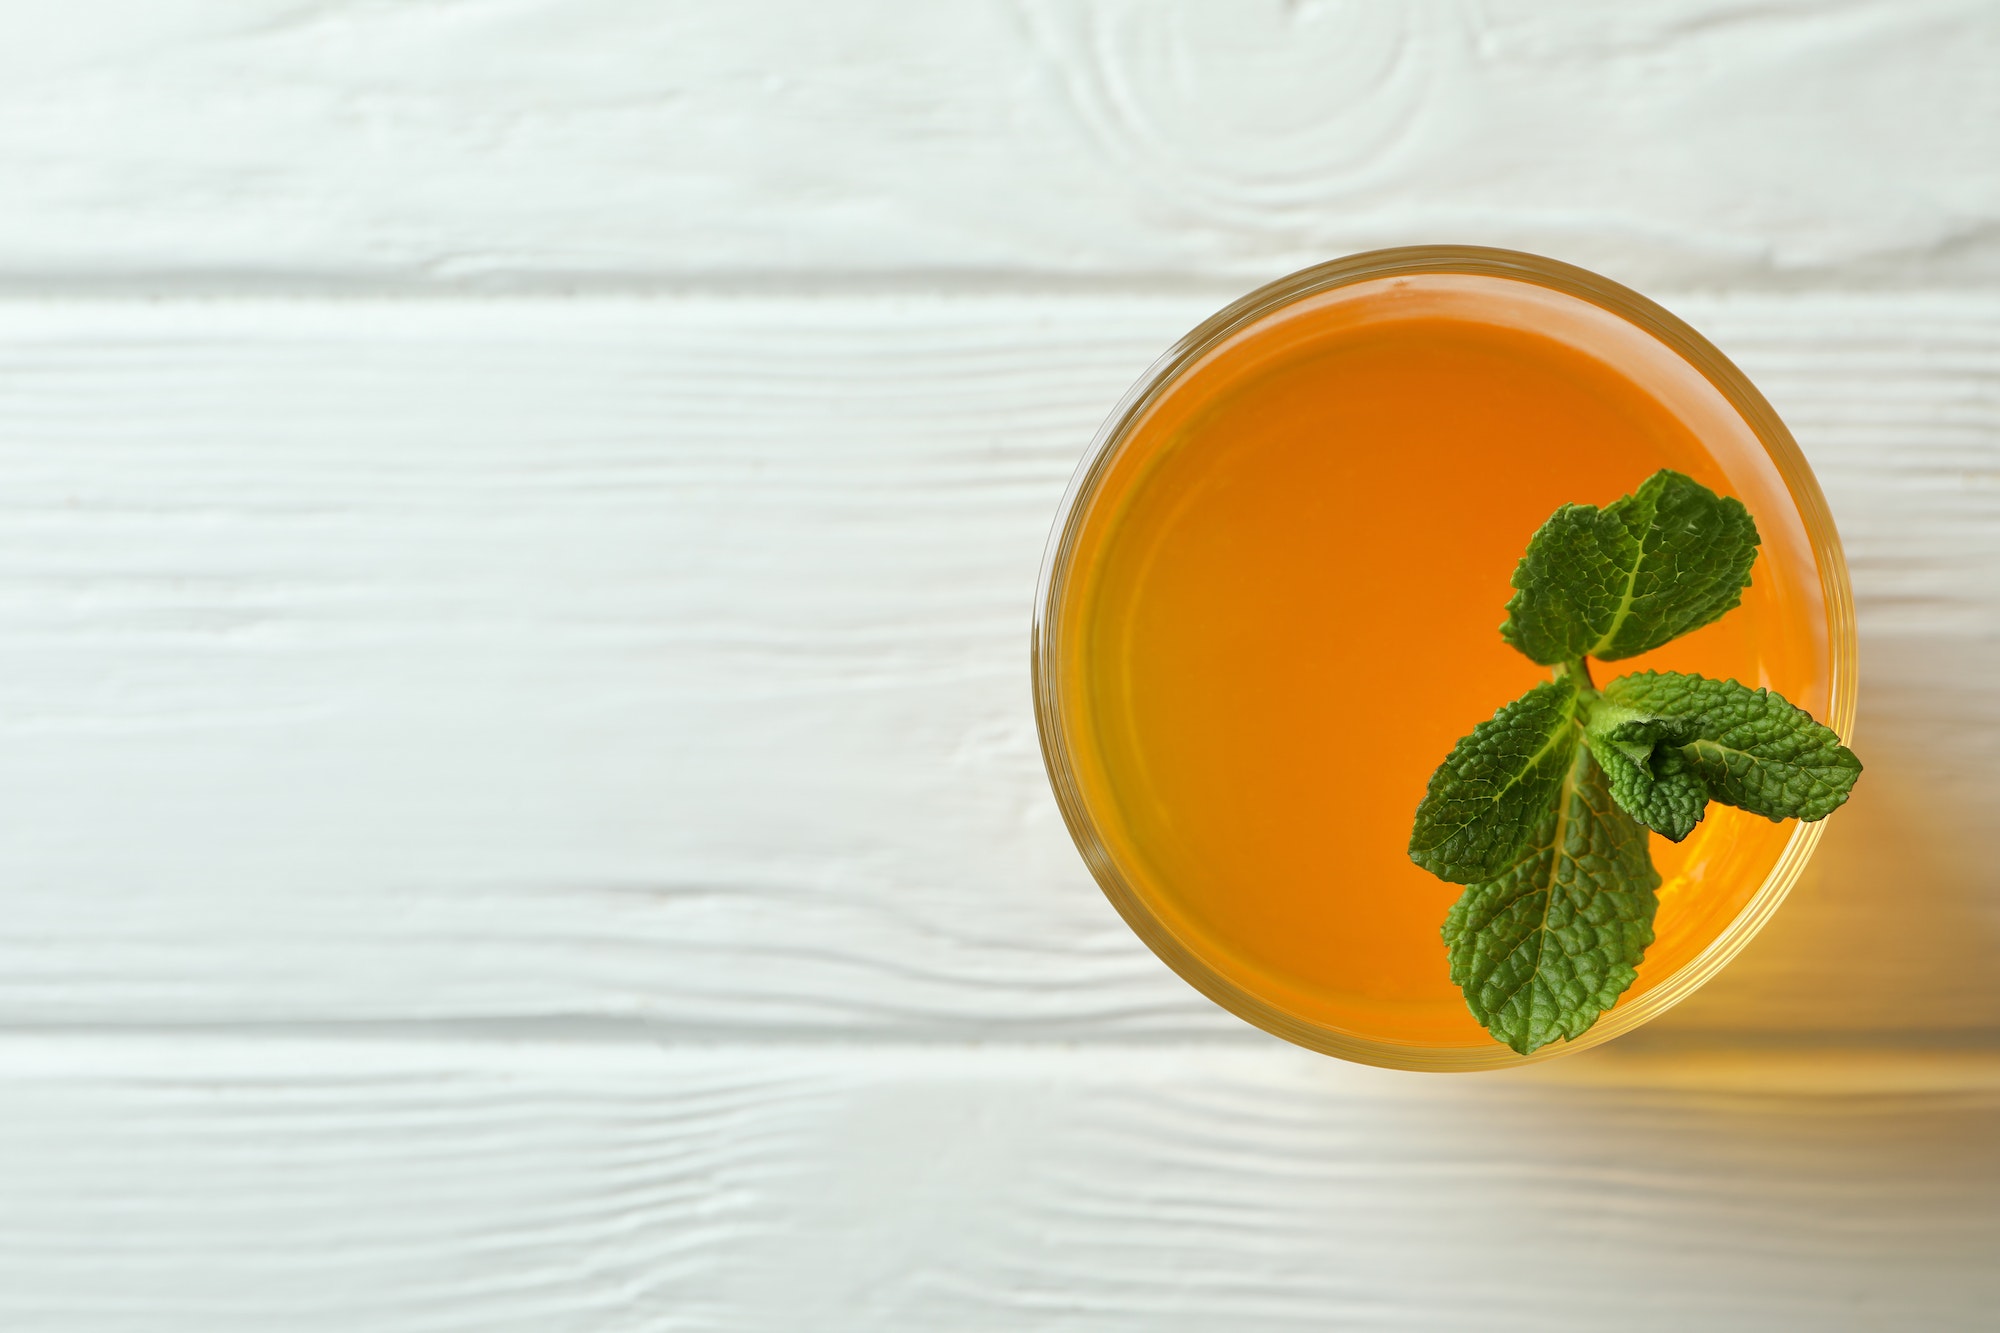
[(660, 662), (521, 812), (236, 1183), (629, 665), (548, 144)]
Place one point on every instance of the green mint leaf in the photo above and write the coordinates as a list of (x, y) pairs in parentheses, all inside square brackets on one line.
[(1486, 798), (1651, 782), (1543, 949), (1750, 748), (1622, 580)]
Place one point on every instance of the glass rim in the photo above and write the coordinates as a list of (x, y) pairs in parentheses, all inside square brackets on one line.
[(1602, 292)]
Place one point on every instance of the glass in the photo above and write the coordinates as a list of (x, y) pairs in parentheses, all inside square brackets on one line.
[(1268, 607)]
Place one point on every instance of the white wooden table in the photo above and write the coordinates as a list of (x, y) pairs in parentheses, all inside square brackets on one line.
[(521, 810)]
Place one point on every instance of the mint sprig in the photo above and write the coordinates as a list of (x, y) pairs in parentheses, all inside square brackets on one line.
[(1543, 811)]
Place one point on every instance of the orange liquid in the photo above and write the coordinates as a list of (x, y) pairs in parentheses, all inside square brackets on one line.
[(1283, 613)]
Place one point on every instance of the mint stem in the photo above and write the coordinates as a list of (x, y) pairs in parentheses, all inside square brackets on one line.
[(1580, 668)]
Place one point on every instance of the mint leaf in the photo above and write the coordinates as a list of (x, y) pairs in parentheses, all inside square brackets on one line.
[(1651, 782), (1622, 580), (1750, 748), (1492, 790), (1544, 949)]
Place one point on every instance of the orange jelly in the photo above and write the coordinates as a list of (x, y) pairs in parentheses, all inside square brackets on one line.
[(1276, 606)]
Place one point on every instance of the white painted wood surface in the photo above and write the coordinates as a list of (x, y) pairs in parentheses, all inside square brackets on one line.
[(402, 1184), (520, 804), (548, 143)]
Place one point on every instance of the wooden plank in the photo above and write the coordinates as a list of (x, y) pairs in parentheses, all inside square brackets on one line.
[(620, 660), (549, 144), (404, 1185), (541, 665)]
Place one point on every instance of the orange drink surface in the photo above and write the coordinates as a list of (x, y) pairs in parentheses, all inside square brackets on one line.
[(1280, 604)]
